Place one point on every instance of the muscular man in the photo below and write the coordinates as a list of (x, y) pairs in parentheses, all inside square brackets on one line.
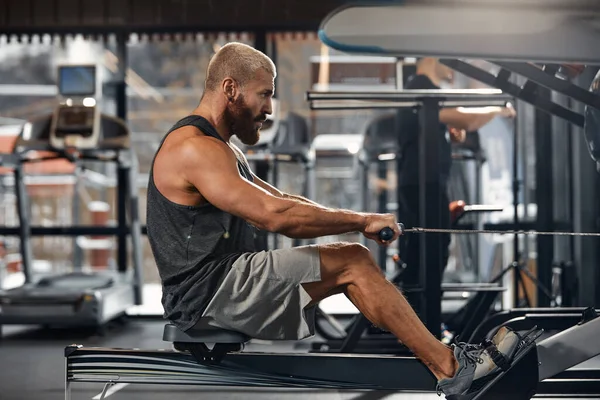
[(454, 122), (205, 205)]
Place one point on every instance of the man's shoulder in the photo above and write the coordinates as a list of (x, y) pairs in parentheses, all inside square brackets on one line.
[(202, 143), (191, 144), (191, 130)]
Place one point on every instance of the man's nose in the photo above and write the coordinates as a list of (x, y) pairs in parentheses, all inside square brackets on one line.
[(268, 108)]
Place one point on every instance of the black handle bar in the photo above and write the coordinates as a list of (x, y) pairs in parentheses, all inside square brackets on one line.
[(388, 233)]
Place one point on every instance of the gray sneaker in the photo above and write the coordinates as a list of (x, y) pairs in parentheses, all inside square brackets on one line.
[(477, 364)]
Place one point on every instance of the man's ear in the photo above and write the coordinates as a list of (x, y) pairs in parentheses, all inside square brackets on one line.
[(230, 88)]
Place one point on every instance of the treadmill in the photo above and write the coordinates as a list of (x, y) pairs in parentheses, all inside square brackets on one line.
[(76, 131)]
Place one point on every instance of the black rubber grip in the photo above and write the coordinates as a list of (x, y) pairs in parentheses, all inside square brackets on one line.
[(388, 233)]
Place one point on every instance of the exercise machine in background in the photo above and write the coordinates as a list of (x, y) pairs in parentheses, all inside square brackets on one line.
[(76, 131)]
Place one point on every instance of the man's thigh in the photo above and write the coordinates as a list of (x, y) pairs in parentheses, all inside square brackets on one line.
[(263, 294)]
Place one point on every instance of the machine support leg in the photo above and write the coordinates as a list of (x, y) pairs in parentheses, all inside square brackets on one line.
[(569, 347), (107, 386)]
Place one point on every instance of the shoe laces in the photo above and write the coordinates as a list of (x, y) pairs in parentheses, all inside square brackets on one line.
[(438, 389), (471, 352)]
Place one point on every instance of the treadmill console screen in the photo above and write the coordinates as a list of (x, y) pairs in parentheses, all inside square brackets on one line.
[(76, 120), (77, 80)]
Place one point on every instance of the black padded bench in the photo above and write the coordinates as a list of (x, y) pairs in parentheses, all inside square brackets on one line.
[(205, 335), (195, 341)]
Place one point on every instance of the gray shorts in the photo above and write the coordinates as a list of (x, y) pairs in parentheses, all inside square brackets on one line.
[(262, 296)]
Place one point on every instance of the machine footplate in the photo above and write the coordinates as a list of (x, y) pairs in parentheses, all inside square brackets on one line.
[(519, 382)]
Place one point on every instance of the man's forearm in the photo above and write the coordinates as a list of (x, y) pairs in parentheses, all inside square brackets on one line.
[(480, 120), (469, 119), (301, 218), (300, 199)]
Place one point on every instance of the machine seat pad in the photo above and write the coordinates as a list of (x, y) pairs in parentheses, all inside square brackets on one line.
[(205, 335)]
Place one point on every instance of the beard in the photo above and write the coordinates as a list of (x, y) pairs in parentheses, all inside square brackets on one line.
[(241, 121)]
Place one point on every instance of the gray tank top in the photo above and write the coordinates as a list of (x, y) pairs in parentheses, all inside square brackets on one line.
[(193, 246)]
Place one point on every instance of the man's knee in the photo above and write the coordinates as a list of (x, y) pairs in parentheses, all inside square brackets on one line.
[(354, 260), (347, 250), (356, 249)]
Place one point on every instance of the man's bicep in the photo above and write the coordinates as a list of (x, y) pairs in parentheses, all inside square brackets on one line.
[(233, 194), (217, 179)]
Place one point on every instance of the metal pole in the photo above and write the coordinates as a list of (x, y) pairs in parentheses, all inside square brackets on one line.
[(67, 381), (136, 228), (121, 74), (122, 171), (478, 200), (544, 200), (516, 220), (454, 97), (430, 276), (76, 210), (364, 165), (123, 186), (24, 213), (382, 201)]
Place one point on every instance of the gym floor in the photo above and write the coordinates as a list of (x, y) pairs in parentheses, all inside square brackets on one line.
[(32, 361)]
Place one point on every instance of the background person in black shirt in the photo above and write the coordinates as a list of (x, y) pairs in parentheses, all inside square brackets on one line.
[(454, 123)]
